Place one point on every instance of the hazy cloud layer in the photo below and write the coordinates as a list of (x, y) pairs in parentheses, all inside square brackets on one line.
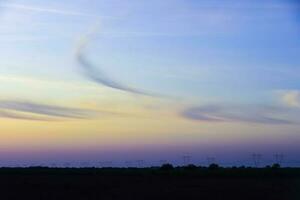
[(247, 114), (35, 111), (291, 98)]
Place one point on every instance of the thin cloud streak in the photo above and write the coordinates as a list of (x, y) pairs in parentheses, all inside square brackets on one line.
[(23, 38), (245, 114), (30, 110), (19, 116), (50, 10)]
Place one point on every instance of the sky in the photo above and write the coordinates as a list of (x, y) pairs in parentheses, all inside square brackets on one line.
[(116, 81)]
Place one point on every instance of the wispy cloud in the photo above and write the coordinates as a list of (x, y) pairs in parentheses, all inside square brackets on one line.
[(291, 98), (48, 10), (242, 113), (22, 116), (95, 74), (22, 38), (36, 111)]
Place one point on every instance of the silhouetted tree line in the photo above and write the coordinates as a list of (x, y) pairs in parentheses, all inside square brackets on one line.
[(213, 166)]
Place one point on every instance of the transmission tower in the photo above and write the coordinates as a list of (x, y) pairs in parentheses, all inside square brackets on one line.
[(140, 163), (161, 162), (67, 165), (128, 163), (256, 159), (279, 158), (186, 160), (210, 160)]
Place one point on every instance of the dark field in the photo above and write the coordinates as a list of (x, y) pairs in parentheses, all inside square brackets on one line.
[(149, 183)]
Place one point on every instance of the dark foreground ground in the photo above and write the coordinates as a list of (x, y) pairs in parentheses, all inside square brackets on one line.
[(151, 183)]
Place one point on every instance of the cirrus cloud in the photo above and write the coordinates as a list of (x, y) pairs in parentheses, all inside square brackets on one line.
[(41, 112), (95, 74), (261, 114)]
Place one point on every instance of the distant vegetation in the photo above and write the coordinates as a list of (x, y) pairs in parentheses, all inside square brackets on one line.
[(163, 182), (163, 167)]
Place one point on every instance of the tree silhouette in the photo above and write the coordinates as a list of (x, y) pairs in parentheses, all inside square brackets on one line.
[(190, 167), (276, 166), (167, 167), (213, 166)]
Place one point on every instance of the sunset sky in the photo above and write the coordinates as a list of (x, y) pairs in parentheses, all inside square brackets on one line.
[(126, 80)]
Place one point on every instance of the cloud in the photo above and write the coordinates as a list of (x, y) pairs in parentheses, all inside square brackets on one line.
[(13, 115), (291, 98), (46, 10), (21, 38), (246, 114), (36, 111), (202, 113), (95, 74)]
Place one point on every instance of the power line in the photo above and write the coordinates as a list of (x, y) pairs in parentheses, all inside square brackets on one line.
[(279, 158), (210, 160), (186, 159), (256, 159), (161, 162), (140, 163)]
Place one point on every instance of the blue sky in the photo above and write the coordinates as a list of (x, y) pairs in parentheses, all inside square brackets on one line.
[(240, 46), (208, 62)]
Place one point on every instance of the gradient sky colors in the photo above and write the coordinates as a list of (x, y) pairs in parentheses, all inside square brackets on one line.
[(129, 79)]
